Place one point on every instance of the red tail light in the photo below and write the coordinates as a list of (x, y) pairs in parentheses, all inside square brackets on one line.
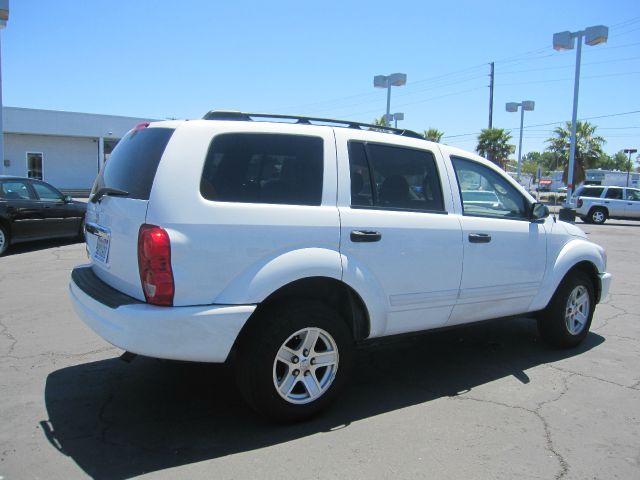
[(154, 263), (579, 203)]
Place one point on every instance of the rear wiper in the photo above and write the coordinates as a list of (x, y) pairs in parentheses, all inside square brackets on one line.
[(101, 192)]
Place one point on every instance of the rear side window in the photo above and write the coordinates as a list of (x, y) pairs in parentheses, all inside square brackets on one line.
[(264, 168), (133, 163), (385, 176), (590, 192)]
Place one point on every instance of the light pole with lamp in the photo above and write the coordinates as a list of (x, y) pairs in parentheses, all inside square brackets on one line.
[(4, 17), (527, 105), (566, 41), (398, 116), (629, 151), (387, 81)]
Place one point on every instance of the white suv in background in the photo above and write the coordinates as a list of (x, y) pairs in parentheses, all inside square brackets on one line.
[(287, 244), (595, 204)]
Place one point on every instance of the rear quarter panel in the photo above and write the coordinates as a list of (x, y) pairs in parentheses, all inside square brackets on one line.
[(238, 253)]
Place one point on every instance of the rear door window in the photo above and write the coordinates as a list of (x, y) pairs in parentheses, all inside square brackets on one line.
[(264, 168), (15, 190), (391, 177), (133, 163), (614, 193)]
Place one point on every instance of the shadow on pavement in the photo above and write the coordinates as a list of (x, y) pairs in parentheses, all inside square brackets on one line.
[(28, 247), (118, 420)]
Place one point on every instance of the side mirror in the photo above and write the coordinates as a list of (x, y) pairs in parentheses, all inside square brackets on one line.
[(68, 199), (539, 211)]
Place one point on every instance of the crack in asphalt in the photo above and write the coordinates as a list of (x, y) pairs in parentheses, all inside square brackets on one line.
[(563, 464), (52, 354), (592, 377), (5, 333), (605, 322)]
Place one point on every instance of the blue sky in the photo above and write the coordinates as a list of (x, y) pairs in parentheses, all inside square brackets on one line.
[(162, 59)]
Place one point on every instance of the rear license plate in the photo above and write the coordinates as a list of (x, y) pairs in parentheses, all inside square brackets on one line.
[(102, 250)]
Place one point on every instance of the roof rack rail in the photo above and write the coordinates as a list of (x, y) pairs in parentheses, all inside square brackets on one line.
[(244, 116)]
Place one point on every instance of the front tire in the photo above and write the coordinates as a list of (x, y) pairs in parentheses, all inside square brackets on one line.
[(4, 240), (566, 320), (294, 360)]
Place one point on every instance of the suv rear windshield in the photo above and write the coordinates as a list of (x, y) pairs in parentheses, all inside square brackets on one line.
[(133, 163), (264, 168), (590, 192)]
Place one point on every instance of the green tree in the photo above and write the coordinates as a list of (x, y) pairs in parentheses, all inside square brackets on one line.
[(493, 143), (433, 135), (549, 161), (588, 148), (379, 121), (619, 161)]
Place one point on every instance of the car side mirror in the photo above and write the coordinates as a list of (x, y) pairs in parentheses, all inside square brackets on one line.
[(539, 211), (68, 199)]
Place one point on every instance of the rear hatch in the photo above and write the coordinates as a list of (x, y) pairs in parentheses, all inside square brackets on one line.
[(118, 206)]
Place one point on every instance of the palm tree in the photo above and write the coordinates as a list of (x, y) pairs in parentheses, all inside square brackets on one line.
[(493, 143), (588, 148), (433, 134)]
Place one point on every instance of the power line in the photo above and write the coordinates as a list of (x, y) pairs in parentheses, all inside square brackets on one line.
[(527, 56), (551, 123)]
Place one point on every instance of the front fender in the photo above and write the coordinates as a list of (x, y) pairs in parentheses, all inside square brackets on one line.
[(262, 279), (573, 252)]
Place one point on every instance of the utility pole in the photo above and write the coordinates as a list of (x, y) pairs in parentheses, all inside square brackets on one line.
[(491, 76)]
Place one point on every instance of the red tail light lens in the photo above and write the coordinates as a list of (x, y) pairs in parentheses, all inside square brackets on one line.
[(154, 263)]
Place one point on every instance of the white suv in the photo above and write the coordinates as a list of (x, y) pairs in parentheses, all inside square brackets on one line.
[(281, 245), (595, 204)]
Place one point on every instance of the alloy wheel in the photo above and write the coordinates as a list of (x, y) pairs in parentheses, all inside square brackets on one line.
[(305, 365), (577, 310)]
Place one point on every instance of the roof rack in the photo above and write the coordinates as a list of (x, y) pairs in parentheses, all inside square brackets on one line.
[(247, 117)]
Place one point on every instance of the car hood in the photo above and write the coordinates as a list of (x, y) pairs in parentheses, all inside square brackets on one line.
[(572, 230)]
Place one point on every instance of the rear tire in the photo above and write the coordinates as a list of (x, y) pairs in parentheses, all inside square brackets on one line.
[(294, 360), (5, 239), (566, 320), (598, 216)]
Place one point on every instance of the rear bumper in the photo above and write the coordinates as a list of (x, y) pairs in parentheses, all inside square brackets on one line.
[(201, 333), (605, 284)]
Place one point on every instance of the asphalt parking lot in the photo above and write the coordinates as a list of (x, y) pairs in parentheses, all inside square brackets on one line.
[(487, 401)]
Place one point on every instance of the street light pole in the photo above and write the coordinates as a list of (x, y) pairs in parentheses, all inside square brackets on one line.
[(629, 165), (513, 107), (566, 41), (387, 81), (386, 117), (4, 17), (574, 123), (397, 116)]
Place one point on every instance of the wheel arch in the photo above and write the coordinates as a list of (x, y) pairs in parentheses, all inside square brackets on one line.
[(577, 254), (590, 270), (335, 293)]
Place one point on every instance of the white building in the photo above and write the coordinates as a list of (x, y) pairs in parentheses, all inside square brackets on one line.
[(65, 149)]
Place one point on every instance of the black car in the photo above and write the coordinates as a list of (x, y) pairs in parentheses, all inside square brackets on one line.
[(34, 210)]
